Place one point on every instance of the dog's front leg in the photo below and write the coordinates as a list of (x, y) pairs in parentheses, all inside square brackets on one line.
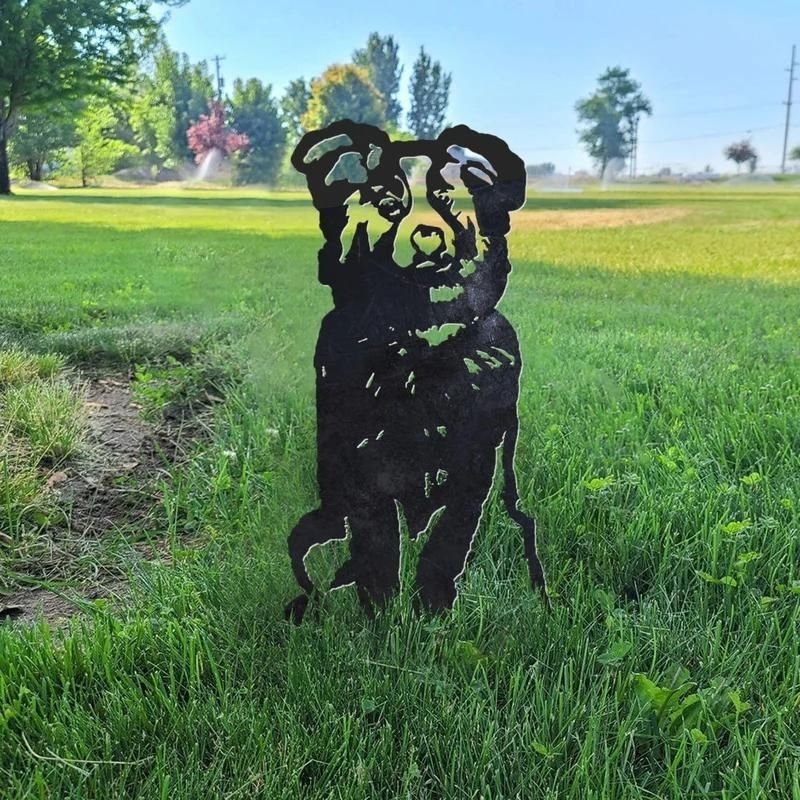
[(374, 564)]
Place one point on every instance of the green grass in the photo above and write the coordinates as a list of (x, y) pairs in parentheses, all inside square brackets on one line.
[(49, 415), (18, 367), (42, 423), (660, 452)]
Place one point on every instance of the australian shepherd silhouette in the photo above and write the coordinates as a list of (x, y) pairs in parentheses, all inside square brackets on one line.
[(417, 372)]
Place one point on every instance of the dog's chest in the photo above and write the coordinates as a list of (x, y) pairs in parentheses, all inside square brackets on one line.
[(411, 382)]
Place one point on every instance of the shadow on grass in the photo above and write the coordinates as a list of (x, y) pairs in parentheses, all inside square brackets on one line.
[(223, 200), (118, 296), (171, 201), (537, 201), (135, 292)]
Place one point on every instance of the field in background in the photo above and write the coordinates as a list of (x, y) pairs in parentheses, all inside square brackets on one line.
[(660, 451)]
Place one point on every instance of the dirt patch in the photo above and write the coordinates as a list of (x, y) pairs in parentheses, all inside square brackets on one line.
[(97, 489), (29, 605), (112, 488), (595, 218)]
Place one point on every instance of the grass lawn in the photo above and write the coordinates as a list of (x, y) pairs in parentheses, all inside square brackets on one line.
[(660, 453)]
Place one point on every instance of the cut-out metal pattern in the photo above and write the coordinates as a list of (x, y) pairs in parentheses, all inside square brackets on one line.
[(417, 371)]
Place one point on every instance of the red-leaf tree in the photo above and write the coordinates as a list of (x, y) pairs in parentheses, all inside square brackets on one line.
[(211, 133)]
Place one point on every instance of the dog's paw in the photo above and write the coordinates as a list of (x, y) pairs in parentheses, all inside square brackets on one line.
[(295, 611), (435, 597)]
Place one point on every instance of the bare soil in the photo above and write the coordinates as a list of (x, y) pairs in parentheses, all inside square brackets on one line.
[(56, 608), (111, 489), (97, 489)]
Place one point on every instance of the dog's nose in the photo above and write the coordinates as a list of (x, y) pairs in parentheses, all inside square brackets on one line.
[(428, 240)]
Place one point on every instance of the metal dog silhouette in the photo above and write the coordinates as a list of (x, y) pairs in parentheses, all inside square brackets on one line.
[(417, 372)]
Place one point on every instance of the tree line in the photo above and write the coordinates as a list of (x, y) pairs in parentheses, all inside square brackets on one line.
[(91, 87)]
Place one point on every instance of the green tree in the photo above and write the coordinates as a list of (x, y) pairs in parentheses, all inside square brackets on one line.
[(254, 112), (430, 94), (42, 135), (379, 57), (609, 116), (343, 91), (173, 94), (540, 170), (794, 155), (97, 149), (741, 153), (55, 50), (294, 105)]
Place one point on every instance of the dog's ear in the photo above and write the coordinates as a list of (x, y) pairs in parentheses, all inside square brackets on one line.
[(336, 159), (497, 175)]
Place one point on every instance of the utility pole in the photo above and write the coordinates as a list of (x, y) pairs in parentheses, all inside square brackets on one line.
[(220, 79), (792, 64), (634, 146)]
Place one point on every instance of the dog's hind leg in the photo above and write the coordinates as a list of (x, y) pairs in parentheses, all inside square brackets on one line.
[(511, 500), (312, 529)]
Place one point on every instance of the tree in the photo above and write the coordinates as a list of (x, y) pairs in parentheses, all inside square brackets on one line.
[(343, 91), (430, 94), (211, 132), (254, 112), (740, 153), (380, 59), (97, 150), (42, 135), (610, 115), (540, 170), (794, 155), (294, 105), (173, 94), (54, 50)]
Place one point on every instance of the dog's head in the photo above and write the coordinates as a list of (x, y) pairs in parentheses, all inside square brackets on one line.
[(358, 179)]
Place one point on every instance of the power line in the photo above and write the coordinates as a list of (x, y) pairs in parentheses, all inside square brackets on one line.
[(717, 135), (712, 135), (708, 111), (669, 115), (792, 65)]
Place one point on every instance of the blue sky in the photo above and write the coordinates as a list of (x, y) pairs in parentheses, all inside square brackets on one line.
[(714, 70)]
